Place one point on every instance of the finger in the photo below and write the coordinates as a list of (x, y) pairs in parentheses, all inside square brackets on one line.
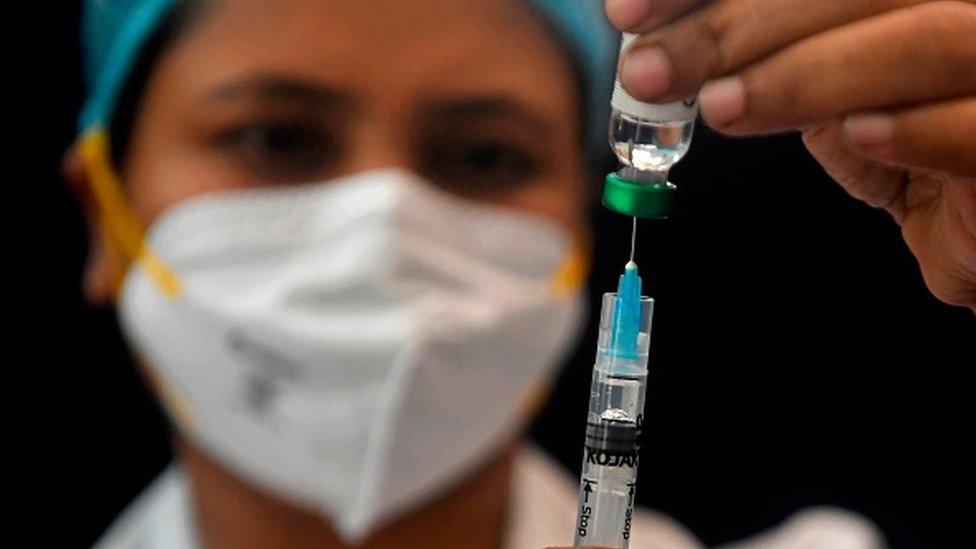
[(726, 36), (919, 54), (939, 137), (940, 229), (878, 185), (641, 15)]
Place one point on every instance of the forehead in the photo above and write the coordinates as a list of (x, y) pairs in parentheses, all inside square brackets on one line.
[(391, 49)]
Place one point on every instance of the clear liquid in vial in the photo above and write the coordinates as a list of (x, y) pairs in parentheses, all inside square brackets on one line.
[(649, 146)]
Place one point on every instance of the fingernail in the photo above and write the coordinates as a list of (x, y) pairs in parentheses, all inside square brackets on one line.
[(723, 101), (869, 129), (627, 14), (646, 73)]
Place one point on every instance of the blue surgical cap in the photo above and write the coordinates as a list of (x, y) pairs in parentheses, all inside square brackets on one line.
[(114, 33)]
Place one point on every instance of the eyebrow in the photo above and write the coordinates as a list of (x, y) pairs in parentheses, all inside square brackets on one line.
[(500, 107), (474, 109), (272, 87)]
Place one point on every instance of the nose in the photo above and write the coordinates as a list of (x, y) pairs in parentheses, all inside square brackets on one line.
[(379, 144)]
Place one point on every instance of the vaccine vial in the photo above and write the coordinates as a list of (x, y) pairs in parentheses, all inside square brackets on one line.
[(648, 139)]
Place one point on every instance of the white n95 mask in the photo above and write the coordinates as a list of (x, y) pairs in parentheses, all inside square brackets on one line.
[(354, 346)]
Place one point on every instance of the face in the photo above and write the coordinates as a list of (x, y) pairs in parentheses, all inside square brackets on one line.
[(472, 95)]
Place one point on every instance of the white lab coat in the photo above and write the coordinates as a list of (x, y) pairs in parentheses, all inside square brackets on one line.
[(543, 514)]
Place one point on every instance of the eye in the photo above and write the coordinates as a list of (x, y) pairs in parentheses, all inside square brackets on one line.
[(283, 151), (481, 164)]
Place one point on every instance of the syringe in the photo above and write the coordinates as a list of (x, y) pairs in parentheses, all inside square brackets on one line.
[(615, 417), (648, 140)]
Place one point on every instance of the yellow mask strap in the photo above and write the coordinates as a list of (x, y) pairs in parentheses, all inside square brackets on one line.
[(573, 271), (535, 398), (122, 231)]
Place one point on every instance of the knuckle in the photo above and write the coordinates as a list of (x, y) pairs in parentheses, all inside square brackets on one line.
[(718, 31), (713, 34)]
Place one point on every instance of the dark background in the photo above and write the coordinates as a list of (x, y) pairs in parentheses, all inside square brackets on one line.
[(797, 357)]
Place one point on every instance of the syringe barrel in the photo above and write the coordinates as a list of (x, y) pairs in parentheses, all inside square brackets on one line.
[(613, 430)]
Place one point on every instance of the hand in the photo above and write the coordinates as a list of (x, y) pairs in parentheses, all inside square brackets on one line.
[(884, 92)]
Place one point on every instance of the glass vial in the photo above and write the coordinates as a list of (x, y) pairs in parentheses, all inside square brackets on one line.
[(649, 138)]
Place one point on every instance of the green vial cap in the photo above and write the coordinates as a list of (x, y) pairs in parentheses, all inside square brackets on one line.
[(647, 200)]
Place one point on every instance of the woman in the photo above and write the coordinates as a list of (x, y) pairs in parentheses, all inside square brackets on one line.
[(347, 361)]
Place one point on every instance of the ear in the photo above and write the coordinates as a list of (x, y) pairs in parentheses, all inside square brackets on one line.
[(98, 281)]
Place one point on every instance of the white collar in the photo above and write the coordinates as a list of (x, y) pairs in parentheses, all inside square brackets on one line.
[(543, 512)]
